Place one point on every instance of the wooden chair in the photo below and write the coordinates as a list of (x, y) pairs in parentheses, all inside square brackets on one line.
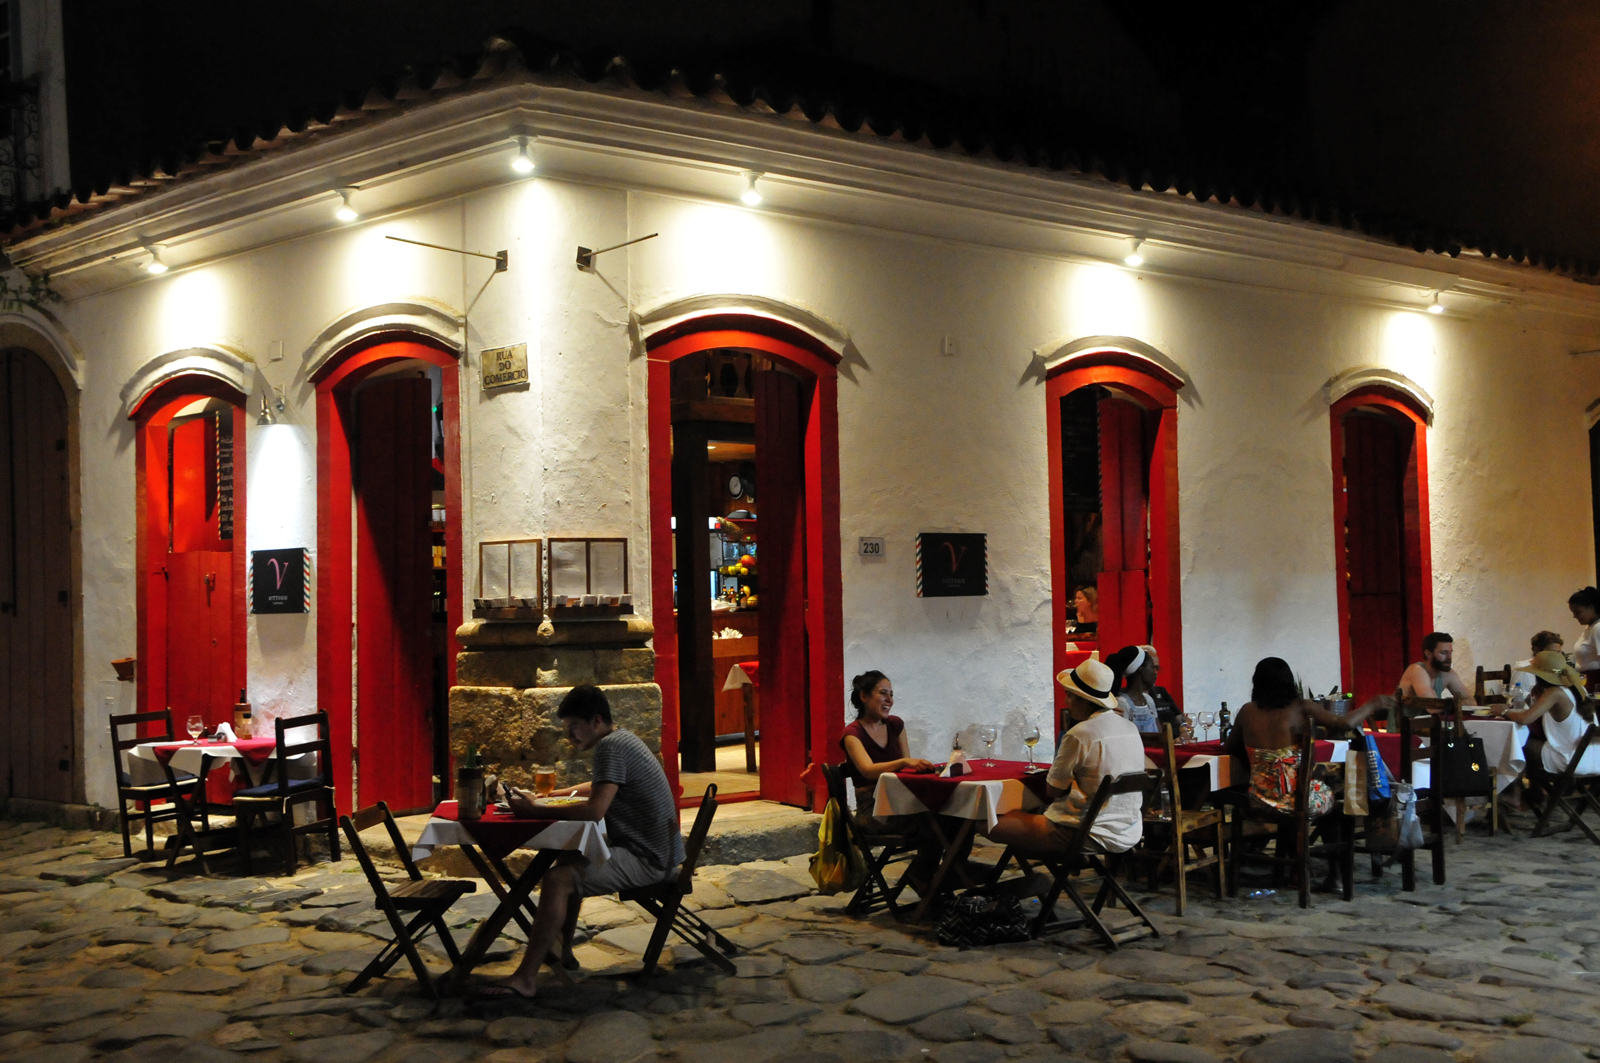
[(1182, 832), (1432, 813), (1480, 693), (878, 850), (148, 794), (1566, 787), (281, 796), (1308, 837), (1078, 856), (665, 900), (428, 898)]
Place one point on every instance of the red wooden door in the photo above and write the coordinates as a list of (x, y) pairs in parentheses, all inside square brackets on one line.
[(1375, 455), (37, 728), (1125, 529), (394, 593), (782, 403)]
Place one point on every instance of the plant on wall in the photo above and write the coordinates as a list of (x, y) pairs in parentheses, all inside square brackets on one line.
[(20, 291)]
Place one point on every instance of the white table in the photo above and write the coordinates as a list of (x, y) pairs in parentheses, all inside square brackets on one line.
[(984, 800), (566, 834), (193, 759)]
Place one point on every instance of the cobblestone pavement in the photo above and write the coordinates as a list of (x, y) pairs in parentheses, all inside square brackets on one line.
[(102, 959)]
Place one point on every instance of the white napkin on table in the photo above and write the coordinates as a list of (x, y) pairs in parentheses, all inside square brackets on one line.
[(225, 732), (958, 766)]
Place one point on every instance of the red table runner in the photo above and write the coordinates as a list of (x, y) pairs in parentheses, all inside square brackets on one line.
[(753, 670), (498, 833), (255, 750), (935, 792), (1184, 751)]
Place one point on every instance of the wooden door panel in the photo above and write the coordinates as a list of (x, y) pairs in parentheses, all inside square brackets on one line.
[(394, 588), (1122, 585), (780, 470), (1374, 474), (36, 641)]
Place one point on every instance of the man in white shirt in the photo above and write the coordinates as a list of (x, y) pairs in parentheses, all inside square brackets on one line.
[(1101, 744)]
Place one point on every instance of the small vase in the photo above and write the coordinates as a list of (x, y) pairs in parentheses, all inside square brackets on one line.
[(469, 793)]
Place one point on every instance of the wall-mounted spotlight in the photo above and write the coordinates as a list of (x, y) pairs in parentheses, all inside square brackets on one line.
[(750, 197), (1134, 258), (345, 211), (1434, 307), (523, 163), (155, 265), (265, 417)]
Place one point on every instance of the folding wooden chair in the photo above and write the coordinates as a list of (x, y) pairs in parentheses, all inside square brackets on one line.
[(1480, 692), (179, 784), (878, 850), (1567, 786), (665, 900), (1308, 837), (1430, 810), (429, 898), (281, 796), (1078, 856), (1182, 832)]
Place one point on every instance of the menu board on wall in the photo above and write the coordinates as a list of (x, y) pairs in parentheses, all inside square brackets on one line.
[(224, 422)]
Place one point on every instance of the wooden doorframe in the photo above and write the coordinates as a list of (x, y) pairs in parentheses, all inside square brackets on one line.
[(335, 382), (151, 417), (1417, 540), (1157, 391), (824, 625)]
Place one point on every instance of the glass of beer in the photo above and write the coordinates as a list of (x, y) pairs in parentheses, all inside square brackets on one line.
[(544, 780)]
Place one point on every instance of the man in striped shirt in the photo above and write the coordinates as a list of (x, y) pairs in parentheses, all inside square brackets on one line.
[(631, 794)]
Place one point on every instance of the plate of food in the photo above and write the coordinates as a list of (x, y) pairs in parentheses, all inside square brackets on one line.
[(563, 801)]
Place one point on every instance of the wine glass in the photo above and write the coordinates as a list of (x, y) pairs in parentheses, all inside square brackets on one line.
[(1030, 738), (1207, 720), (989, 733), (196, 727)]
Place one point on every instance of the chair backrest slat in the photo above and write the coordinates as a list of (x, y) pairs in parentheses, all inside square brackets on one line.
[(352, 833), (833, 775), (1133, 782), (1571, 773), (1302, 781), (1171, 773), (133, 719), (319, 745), (697, 837)]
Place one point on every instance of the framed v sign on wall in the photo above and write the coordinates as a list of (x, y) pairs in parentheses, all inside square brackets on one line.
[(280, 580), (952, 565)]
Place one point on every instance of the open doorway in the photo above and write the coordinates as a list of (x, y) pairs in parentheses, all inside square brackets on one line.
[(750, 391), (1380, 498), (388, 579), (716, 570), (1112, 423), (191, 587), (37, 722)]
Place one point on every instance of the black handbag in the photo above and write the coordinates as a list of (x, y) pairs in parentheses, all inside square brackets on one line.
[(974, 919), (1460, 768)]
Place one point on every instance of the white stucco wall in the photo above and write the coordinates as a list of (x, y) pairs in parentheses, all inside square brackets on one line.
[(927, 441)]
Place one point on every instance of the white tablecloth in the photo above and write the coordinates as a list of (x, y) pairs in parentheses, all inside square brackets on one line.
[(187, 758), (579, 836), (980, 799)]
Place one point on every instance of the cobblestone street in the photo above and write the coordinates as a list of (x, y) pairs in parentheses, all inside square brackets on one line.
[(103, 958)]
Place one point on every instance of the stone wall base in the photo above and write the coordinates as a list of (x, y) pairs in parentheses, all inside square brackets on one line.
[(59, 814)]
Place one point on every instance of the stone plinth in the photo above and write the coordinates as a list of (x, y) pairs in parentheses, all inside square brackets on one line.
[(510, 680)]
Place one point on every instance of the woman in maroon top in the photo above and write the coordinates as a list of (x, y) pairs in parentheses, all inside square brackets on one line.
[(875, 744)]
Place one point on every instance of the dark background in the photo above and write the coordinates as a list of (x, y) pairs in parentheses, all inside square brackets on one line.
[(1429, 122)]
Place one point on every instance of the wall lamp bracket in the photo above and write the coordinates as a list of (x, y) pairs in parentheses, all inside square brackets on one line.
[(501, 259), (586, 256)]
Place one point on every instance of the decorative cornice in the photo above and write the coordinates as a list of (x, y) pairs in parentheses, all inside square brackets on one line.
[(422, 316), (1368, 376), (233, 368)]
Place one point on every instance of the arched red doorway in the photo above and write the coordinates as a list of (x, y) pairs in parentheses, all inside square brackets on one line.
[(386, 649), (1112, 432), (1380, 519), (38, 725), (796, 434), (190, 461)]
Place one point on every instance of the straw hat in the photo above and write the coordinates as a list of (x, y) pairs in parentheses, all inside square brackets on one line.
[(1552, 667), (1091, 681)]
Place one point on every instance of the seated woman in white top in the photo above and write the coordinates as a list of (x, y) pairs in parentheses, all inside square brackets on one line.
[(1135, 677), (1560, 704)]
